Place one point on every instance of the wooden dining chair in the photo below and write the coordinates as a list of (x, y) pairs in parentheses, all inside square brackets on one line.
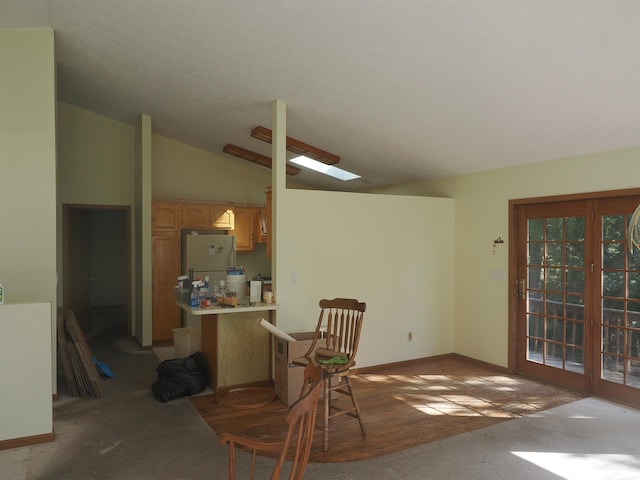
[(301, 419), (334, 349)]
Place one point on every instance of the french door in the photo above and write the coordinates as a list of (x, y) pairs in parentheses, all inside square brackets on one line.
[(577, 295)]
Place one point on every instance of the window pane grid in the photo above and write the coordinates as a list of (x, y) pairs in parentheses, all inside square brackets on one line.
[(620, 305), (555, 292)]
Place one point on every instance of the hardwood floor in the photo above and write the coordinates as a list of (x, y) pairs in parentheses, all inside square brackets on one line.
[(403, 407)]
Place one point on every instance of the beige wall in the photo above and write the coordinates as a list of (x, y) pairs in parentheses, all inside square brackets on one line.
[(182, 172), (481, 210), (28, 181), (393, 252)]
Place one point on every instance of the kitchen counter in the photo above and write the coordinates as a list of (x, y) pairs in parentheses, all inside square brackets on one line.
[(237, 350), (218, 310)]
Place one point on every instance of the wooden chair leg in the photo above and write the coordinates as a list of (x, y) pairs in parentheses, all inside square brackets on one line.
[(327, 409), (355, 403)]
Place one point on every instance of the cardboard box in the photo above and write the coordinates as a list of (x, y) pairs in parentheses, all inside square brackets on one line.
[(288, 377), (186, 341)]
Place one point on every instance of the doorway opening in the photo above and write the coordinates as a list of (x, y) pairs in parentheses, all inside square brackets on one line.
[(97, 267)]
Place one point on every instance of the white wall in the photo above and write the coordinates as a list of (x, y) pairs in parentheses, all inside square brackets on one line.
[(28, 171), (393, 252), (481, 206), (25, 372)]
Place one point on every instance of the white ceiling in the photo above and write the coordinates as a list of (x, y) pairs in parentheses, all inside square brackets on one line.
[(400, 90)]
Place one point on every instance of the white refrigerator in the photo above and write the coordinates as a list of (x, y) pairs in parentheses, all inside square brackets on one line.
[(206, 255)]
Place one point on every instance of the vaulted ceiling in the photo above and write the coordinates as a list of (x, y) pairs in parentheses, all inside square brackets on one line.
[(399, 90)]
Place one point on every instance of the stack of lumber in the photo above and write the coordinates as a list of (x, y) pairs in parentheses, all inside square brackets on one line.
[(77, 361)]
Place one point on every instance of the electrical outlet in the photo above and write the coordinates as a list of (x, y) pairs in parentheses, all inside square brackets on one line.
[(409, 336)]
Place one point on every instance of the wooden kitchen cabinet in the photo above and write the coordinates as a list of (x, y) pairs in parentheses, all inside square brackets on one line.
[(165, 267), (165, 258), (195, 215), (166, 314), (165, 216), (221, 216), (244, 228)]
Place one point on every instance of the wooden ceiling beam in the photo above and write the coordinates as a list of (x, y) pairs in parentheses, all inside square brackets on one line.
[(297, 147), (256, 158)]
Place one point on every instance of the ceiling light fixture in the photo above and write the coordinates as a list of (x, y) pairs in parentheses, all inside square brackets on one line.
[(317, 166), (254, 157), (298, 147)]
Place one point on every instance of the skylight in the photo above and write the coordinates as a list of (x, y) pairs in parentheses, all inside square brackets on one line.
[(324, 168)]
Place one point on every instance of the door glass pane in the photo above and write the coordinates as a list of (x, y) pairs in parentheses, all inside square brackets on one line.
[(555, 255), (613, 255), (575, 281), (612, 368), (536, 278), (555, 292), (575, 229), (536, 253), (633, 378), (575, 360), (613, 284), (554, 279), (575, 254), (613, 227), (620, 314), (555, 229), (535, 229)]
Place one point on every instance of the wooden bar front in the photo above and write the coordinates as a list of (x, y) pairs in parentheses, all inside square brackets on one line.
[(238, 351)]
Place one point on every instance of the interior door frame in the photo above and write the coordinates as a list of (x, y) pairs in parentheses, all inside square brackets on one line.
[(66, 207), (513, 255)]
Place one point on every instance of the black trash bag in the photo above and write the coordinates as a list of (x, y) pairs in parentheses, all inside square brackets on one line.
[(180, 377)]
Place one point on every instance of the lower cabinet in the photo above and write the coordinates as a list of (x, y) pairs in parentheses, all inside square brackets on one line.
[(165, 264), (166, 313)]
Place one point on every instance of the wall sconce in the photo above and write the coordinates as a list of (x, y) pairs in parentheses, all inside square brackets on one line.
[(497, 241)]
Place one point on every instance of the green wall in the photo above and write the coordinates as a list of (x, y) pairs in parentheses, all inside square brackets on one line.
[(28, 171)]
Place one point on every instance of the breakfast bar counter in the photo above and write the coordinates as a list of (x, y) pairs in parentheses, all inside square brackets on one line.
[(238, 351)]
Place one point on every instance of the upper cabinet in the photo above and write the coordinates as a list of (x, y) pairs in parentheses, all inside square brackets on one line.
[(222, 217), (243, 228), (195, 215), (165, 216), (172, 216)]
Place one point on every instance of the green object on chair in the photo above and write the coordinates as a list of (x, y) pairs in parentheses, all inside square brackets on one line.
[(335, 361)]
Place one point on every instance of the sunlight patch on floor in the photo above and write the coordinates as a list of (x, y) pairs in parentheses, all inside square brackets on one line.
[(572, 466)]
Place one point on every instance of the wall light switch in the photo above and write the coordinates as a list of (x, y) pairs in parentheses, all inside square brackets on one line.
[(498, 275), (294, 278)]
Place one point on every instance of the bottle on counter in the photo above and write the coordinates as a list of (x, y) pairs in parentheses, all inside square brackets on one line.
[(193, 299)]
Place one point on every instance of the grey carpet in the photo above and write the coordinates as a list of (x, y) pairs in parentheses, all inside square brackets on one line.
[(127, 434)]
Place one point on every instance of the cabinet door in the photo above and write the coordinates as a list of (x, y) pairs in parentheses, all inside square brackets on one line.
[(165, 267), (194, 215), (165, 312), (260, 225), (221, 216), (165, 216), (243, 225), (165, 259)]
